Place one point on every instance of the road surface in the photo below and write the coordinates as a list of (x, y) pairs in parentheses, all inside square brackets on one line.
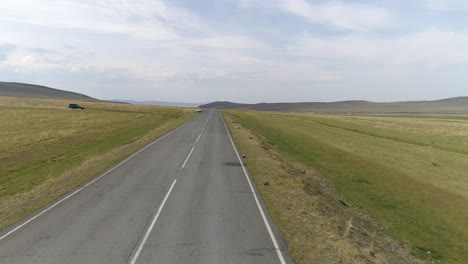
[(185, 198)]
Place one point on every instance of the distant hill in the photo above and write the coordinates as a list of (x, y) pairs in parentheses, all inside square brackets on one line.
[(160, 103), (450, 105), (12, 89)]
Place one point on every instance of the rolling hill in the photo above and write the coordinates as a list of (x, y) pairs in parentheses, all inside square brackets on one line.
[(450, 105), (12, 89), (160, 103)]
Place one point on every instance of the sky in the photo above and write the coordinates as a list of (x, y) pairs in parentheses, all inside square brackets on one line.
[(239, 50)]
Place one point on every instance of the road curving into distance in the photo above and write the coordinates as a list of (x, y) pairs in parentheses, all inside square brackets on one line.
[(185, 198)]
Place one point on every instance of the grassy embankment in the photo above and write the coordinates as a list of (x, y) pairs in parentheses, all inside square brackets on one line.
[(46, 150), (409, 173)]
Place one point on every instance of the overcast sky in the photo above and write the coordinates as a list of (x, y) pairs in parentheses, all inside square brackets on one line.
[(239, 50)]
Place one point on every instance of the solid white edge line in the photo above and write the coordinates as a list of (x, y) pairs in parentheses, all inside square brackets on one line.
[(142, 244), (265, 220), (39, 214), (86, 185), (188, 157)]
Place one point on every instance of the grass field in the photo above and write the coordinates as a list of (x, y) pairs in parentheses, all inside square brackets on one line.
[(410, 173), (47, 150)]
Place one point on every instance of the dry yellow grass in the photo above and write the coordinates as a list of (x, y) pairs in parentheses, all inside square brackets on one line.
[(313, 219), (47, 150), (410, 175), (435, 126)]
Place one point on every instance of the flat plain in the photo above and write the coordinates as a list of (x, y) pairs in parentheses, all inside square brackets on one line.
[(408, 172), (47, 150)]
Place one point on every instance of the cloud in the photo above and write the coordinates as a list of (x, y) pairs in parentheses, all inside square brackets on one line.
[(335, 14), (5, 50), (35, 58), (227, 42), (94, 81), (447, 5), (427, 49), (143, 19), (262, 50)]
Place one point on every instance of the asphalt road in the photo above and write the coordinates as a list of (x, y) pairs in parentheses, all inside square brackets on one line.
[(185, 198)]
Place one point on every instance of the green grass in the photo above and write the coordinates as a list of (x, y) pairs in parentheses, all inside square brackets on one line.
[(409, 173), (47, 150)]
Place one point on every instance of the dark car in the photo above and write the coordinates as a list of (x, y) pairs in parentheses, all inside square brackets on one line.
[(75, 106)]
